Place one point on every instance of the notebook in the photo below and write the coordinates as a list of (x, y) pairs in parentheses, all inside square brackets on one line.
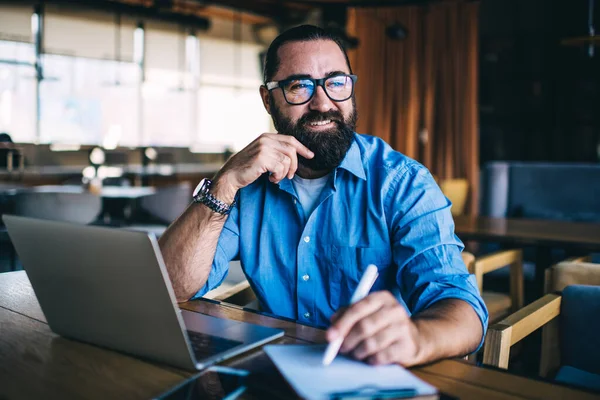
[(345, 378)]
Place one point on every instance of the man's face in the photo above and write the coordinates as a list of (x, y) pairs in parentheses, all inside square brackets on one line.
[(324, 126)]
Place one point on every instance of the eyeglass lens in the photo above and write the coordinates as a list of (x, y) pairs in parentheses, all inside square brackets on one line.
[(339, 88)]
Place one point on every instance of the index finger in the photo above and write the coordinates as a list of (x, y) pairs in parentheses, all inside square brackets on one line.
[(300, 148)]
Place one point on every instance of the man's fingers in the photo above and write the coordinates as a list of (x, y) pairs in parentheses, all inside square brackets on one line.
[(367, 328), (289, 150), (353, 314), (279, 166), (278, 172), (401, 351), (375, 343), (274, 143), (384, 356), (270, 152), (300, 148)]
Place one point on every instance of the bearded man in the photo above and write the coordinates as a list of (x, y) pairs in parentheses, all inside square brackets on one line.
[(307, 209)]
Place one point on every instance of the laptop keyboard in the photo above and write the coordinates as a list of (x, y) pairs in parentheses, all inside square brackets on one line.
[(205, 346)]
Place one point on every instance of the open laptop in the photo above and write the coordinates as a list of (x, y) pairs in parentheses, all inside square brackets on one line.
[(110, 287)]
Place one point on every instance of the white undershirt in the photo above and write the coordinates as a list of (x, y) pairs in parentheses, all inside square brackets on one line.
[(309, 192)]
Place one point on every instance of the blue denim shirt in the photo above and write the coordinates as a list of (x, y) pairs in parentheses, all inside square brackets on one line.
[(379, 207)]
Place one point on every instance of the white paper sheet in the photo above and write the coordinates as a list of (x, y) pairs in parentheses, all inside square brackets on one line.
[(302, 367)]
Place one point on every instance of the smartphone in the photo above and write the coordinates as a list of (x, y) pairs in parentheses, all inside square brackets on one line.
[(213, 383)]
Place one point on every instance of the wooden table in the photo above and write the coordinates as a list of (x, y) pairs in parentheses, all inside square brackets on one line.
[(108, 192), (573, 235), (542, 234), (36, 363)]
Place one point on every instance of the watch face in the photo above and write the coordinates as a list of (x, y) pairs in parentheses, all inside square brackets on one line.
[(199, 187)]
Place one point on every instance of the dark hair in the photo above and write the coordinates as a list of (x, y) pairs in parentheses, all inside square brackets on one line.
[(302, 33)]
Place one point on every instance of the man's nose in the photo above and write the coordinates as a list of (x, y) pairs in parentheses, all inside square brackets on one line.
[(320, 101)]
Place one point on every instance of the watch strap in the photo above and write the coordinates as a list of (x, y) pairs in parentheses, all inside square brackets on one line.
[(209, 200)]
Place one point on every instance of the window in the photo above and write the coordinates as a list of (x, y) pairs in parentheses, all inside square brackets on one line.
[(89, 94), (92, 92), (167, 114), (87, 101), (88, 34), (230, 110), (229, 118), (168, 97), (17, 91), (224, 111)]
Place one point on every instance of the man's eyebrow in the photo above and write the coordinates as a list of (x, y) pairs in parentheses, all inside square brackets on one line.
[(334, 73), (297, 76), (305, 76)]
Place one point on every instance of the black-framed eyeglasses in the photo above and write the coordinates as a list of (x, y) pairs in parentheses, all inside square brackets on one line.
[(298, 91)]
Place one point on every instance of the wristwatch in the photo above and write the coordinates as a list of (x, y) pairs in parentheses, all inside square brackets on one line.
[(202, 195)]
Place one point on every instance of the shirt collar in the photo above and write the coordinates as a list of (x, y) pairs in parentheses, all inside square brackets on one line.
[(352, 162)]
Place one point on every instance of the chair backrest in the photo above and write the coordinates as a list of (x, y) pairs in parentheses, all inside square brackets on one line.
[(491, 262), (82, 208), (469, 260), (575, 271), (580, 327), (456, 190), (568, 273), (168, 202)]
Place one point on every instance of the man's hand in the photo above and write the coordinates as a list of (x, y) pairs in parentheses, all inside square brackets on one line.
[(378, 330), (270, 152)]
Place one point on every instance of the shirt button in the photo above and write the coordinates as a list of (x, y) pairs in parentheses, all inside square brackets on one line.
[(306, 239), (305, 277), (307, 315), (295, 201)]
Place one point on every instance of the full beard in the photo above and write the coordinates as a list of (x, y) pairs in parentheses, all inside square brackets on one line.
[(330, 146)]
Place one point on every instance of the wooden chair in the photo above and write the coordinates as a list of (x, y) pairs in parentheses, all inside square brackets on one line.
[(569, 335), (499, 305), (235, 289), (573, 271), (456, 190), (240, 294)]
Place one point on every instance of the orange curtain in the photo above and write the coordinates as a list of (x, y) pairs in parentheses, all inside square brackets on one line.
[(420, 94)]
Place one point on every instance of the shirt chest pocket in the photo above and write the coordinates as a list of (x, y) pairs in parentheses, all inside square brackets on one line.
[(346, 266)]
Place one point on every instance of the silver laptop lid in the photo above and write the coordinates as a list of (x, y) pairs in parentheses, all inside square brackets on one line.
[(104, 286)]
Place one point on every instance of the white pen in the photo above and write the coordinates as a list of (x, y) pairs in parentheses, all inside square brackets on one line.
[(363, 288)]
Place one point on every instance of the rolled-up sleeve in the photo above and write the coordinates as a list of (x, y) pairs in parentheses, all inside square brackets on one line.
[(425, 248), (227, 250)]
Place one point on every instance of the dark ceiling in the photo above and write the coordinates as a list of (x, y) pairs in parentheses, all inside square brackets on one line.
[(280, 11), (281, 8), (253, 11), (198, 12)]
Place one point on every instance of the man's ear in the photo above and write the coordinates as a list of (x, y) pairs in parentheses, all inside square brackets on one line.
[(264, 95)]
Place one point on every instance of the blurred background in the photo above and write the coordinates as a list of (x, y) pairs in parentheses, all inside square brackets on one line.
[(111, 112), (174, 83)]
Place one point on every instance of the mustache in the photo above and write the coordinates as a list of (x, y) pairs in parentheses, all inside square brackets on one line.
[(316, 116)]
